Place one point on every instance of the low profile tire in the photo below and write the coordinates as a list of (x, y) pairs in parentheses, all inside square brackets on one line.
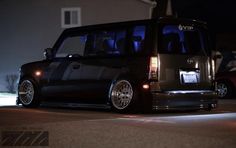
[(28, 93), (224, 90), (123, 97)]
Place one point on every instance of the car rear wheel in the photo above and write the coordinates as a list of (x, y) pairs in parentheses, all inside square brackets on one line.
[(224, 90), (28, 93), (123, 96)]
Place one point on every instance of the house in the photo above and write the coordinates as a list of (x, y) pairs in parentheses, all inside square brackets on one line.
[(28, 27)]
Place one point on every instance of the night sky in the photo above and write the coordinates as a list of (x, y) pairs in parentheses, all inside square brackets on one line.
[(219, 14)]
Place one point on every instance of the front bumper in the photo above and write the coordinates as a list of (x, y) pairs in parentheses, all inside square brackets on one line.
[(191, 99)]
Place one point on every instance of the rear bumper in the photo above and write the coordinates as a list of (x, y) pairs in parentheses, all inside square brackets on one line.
[(175, 100)]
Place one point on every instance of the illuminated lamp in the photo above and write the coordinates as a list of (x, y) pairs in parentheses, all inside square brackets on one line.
[(145, 86), (38, 73)]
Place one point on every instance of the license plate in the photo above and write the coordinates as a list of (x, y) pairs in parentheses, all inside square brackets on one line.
[(190, 78)]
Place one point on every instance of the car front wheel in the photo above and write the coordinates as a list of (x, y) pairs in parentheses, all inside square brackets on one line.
[(28, 93)]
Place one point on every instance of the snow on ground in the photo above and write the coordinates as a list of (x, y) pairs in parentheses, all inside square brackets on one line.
[(7, 99)]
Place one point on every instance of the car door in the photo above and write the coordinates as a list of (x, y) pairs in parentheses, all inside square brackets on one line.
[(184, 58), (63, 72)]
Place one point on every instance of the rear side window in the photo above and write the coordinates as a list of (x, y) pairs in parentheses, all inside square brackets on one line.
[(180, 39), (105, 43)]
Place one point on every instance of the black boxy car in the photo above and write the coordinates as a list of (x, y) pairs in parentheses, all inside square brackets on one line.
[(154, 64)]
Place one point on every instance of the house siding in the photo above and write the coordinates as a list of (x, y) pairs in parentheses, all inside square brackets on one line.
[(29, 26)]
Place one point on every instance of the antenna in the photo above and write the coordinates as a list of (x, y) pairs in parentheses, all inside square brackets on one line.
[(169, 11)]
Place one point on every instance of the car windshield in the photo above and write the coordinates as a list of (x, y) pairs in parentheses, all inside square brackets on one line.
[(183, 39)]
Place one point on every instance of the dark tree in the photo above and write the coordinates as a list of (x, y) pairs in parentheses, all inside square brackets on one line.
[(11, 82)]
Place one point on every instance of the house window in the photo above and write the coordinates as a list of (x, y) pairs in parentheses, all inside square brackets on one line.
[(70, 17)]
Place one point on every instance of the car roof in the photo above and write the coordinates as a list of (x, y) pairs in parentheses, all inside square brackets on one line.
[(127, 23)]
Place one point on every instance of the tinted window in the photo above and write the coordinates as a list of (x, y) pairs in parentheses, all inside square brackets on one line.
[(182, 39), (72, 46), (138, 38), (105, 43)]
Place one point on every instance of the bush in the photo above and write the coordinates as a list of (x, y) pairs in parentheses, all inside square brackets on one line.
[(11, 82)]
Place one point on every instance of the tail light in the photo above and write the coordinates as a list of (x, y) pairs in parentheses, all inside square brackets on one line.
[(153, 67), (213, 69)]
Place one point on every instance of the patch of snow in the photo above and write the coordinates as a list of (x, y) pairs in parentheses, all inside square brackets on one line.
[(7, 99)]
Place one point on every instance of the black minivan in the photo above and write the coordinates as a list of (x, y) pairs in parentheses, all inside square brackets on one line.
[(154, 64)]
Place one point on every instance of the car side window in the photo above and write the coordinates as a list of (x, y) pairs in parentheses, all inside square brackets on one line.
[(72, 46), (138, 39), (105, 43)]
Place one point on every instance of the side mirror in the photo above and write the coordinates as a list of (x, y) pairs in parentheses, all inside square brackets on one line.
[(48, 53)]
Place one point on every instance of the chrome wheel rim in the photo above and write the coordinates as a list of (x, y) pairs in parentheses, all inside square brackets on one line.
[(222, 90), (122, 94), (26, 92)]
